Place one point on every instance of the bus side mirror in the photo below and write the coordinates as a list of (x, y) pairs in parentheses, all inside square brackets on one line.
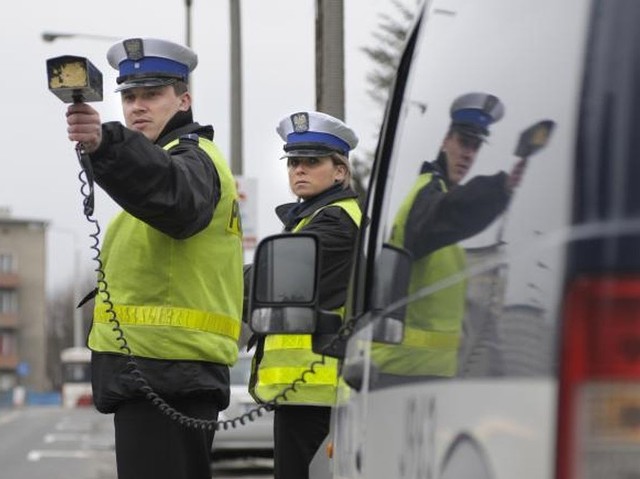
[(390, 289), (284, 287)]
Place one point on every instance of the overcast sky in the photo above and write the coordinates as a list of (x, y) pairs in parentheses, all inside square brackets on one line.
[(38, 167)]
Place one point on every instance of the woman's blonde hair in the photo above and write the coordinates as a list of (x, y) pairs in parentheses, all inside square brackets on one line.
[(339, 159)]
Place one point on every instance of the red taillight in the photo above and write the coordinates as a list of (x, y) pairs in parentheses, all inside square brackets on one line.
[(599, 408), (85, 400)]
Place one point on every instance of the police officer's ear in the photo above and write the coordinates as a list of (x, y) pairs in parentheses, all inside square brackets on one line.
[(185, 101), (181, 89), (341, 173)]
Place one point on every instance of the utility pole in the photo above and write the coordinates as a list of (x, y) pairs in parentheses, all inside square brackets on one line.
[(187, 27), (236, 88), (330, 57), (187, 30), (236, 153)]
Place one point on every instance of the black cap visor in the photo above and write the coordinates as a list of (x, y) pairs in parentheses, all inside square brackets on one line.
[(470, 130), (144, 81), (309, 150)]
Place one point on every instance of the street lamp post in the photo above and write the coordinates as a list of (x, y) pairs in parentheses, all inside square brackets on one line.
[(53, 36)]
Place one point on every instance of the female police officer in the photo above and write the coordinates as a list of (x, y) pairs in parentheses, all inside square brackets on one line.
[(317, 146)]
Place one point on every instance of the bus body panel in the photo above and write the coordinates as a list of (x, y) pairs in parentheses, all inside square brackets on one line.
[(414, 431), (496, 417), (544, 378)]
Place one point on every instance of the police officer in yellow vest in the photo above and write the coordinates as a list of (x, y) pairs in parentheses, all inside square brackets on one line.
[(316, 147), (172, 260), (437, 213)]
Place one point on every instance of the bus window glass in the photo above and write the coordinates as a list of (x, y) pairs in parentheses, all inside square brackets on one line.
[(77, 372), (481, 301)]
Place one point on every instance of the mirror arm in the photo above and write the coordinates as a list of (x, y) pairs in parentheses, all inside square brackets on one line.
[(325, 338), (328, 322)]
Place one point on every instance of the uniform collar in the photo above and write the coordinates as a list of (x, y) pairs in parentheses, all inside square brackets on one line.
[(437, 167), (291, 213), (181, 124)]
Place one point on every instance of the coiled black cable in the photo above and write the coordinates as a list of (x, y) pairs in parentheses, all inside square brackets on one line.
[(87, 191)]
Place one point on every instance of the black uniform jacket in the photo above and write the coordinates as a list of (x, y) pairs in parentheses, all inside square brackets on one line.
[(439, 218), (337, 234), (175, 192)]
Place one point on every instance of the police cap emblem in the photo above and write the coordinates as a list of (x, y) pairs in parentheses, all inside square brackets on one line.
[(490, 103), (300, 122), (134, 49)]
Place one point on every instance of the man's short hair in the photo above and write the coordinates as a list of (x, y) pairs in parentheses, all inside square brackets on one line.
[(180, 87)]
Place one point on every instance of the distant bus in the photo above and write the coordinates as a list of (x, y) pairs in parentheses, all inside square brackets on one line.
[(76, 377)]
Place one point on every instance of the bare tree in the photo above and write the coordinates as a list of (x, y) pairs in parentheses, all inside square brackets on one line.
[(390, 38), (59, 331), (60, 309)]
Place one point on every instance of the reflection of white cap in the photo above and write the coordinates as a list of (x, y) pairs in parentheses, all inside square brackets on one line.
[(312, 133), (146, 62), (473, 113)]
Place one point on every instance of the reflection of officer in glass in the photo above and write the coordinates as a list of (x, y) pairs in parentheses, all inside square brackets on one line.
[(437, 213)]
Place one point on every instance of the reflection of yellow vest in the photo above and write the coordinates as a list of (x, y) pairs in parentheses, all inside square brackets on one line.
[(432, 323), (175, 299), (287, 356)]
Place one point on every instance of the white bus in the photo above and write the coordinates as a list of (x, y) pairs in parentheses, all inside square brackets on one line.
[(547, 384), (76, 377)]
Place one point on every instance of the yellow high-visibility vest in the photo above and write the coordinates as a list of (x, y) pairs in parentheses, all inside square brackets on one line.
[(175, 299), (287, 356), (433, 323)]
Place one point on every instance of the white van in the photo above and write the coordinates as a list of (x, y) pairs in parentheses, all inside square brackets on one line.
[(547, 383)]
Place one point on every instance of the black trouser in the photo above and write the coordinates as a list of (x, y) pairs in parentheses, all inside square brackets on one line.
[(298, 433), (150, 445)]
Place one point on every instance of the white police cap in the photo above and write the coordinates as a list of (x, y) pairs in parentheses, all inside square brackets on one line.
[(146, 62), (312, 134), (473, 113)]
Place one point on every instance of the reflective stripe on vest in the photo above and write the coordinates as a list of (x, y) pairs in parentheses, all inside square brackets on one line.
[(432, 323), (430, 339), (175, 299), (287, 357)]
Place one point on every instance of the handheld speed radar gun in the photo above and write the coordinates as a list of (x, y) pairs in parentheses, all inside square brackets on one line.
[(76, 80)]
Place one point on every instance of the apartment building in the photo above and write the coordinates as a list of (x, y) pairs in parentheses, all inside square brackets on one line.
[(22, 303)]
